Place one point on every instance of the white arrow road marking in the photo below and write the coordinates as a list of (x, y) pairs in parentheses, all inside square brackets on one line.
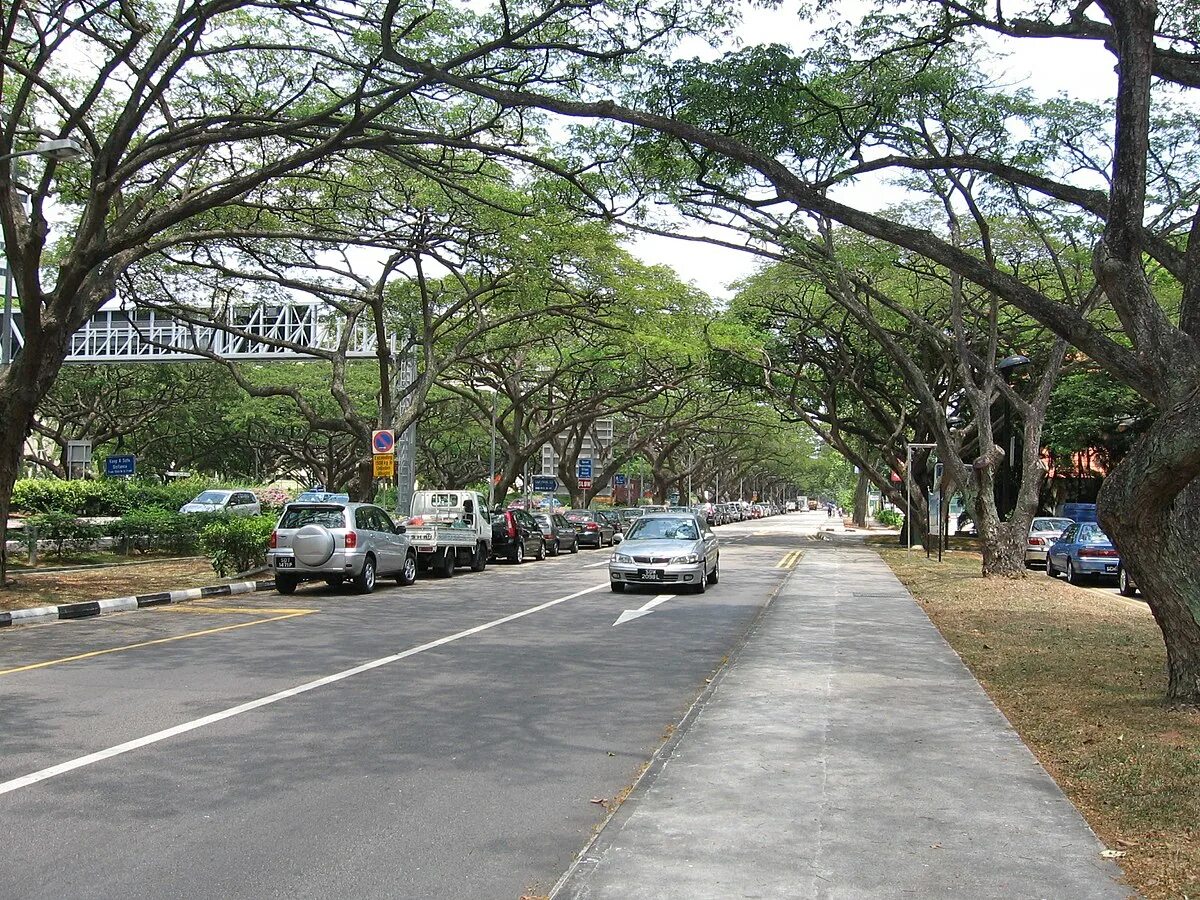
[(100, 755), (631, 614)]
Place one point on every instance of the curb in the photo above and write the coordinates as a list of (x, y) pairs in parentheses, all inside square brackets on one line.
[(88, 608)]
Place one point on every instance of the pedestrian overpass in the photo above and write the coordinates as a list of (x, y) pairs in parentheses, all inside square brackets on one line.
[(264, 331)]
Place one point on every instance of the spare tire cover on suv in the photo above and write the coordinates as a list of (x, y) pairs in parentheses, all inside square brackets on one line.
[(313, 545)]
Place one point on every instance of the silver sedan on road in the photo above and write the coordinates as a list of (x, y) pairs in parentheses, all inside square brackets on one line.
[(666, 548)]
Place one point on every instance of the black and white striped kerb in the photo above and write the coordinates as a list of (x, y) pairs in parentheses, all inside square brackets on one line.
[(98, 607)]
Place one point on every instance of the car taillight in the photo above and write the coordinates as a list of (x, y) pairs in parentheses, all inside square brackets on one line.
[(592, 526), (1095, 552), (512, 524), (274, 542), (1036, 542), (351, 540)]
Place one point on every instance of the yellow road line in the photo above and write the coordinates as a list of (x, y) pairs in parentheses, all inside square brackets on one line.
[(789, 561), (187, 608), (166, 640)]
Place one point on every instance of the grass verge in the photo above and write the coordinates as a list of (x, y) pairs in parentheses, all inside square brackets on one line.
[(1080, 674), (30, 588)]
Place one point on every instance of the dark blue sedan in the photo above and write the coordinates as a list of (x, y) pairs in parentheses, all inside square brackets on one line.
[(1082, 551)]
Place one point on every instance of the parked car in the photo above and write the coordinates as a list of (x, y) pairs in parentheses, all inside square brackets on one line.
[(1043, 531), (613, 518), (1125, 583), (594, 529), (336, 541), (666, 548), (629, 513), (1082, 551), (517, 534), (238, 503), (557, 533)]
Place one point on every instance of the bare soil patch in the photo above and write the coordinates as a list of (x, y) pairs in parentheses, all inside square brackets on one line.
[(1081, 677), (32, 588)]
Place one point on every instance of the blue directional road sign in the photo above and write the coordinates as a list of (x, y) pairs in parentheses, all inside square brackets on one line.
[(619, 480), (545, 483), (123, 464), (585, 467)]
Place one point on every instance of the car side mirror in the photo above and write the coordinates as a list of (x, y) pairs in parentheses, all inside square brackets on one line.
[(618, 537), (401, 529)]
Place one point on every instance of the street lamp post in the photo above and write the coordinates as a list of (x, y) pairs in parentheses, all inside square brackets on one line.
[(59, 150)]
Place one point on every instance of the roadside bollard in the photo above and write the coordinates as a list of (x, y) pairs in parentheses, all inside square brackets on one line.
[(31, 536)]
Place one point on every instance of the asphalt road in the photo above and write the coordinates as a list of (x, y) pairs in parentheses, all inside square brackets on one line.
[(441, 740)]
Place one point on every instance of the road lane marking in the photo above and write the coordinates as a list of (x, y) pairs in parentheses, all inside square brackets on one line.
[(245, 610), (643, 610), (603, 562), (789, 560), (179, 637), (101, 755)]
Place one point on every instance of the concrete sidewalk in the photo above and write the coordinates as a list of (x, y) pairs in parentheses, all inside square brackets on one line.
[(847, 752)]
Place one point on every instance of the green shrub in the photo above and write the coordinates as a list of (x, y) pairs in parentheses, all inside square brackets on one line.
[(889, 517), (143, 530), (238, 544), (65, 531), (104, 497)]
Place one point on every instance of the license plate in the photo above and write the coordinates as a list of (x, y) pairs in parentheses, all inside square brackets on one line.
[(1110, 567), (650, 574), (285, 562)]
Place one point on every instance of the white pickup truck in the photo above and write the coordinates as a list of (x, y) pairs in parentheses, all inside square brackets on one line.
[(448, 529)]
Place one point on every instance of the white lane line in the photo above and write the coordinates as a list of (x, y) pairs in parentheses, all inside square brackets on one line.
[(101, 755), (603, 562)]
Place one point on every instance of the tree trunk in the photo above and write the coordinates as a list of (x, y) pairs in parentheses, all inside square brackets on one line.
[(860, 499), (1154, 523)]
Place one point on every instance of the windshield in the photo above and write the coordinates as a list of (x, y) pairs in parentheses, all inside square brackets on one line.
[(580, 516), (299, 516), (1052, 524), (543, 519), (664, 529), (212, 497)]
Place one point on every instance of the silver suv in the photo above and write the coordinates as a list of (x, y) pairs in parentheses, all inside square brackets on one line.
[(338, 541)]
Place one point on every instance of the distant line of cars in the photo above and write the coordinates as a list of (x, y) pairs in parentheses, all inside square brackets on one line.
[(326, 537)]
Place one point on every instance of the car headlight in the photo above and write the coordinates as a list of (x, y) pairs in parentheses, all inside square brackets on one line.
[(688, 559), (620, 558)]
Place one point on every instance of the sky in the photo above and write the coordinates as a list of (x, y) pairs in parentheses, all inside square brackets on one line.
[(1081, 69)]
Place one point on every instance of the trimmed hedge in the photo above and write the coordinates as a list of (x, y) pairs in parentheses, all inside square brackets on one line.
[(118, 496), (65, 531), (143, 530), (237, 544)]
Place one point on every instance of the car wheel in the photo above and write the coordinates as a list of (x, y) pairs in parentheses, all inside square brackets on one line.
[(408, 574), (480, 560), (575, 545), (618, 587), (286, 584), (335, 580), (1124, 585), (1050, 568), (446, 564), (541, 550), (1072, 576), (715, 575), (517, 554), (702, 585), (556, 548), (364, 582)]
